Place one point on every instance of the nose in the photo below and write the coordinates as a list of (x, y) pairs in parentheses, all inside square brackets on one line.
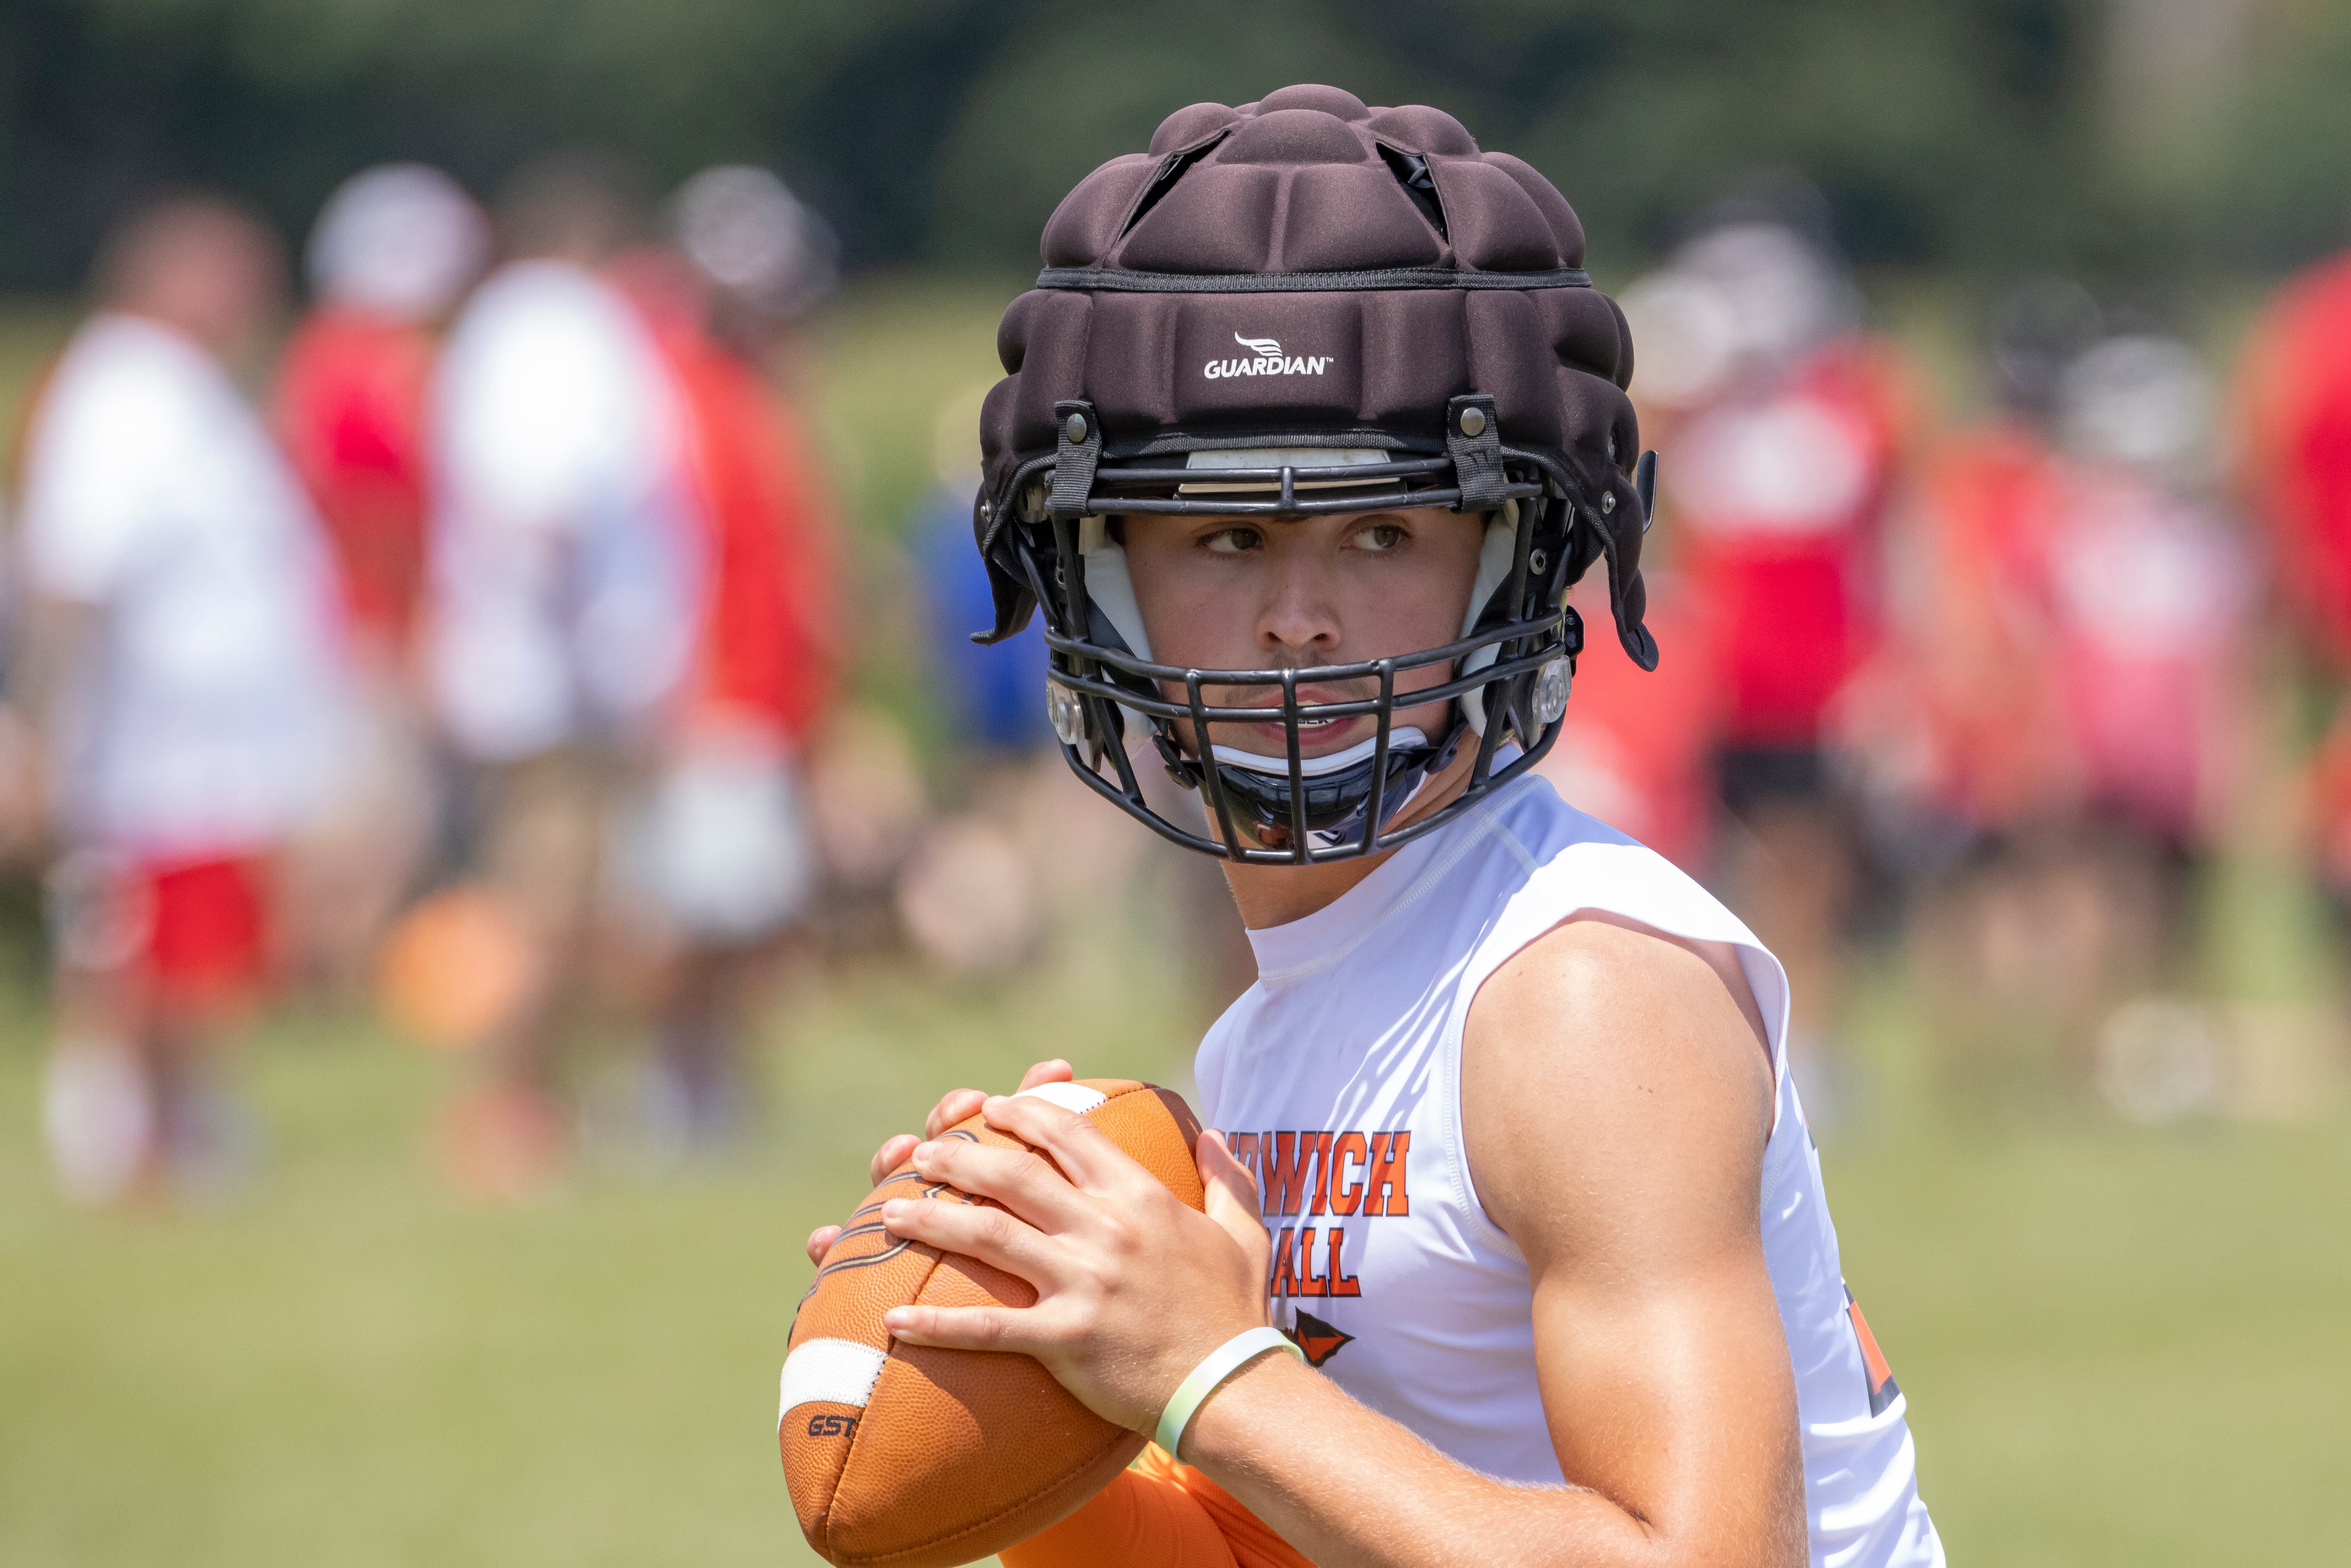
[(1300, 614)]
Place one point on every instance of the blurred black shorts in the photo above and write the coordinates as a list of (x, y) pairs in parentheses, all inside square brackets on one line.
[(1752, 776)]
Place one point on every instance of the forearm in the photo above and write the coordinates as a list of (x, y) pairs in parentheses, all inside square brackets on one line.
[(56, 634), (1350, 1488)]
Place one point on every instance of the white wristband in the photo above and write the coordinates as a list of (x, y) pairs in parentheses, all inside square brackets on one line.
[(1222, 1363)]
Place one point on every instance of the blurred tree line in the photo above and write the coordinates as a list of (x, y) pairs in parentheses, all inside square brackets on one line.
[(2122, 138)]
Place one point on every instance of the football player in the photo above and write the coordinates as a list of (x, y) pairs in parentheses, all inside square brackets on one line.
[(180, 666), (391, 255), (1311, 421)]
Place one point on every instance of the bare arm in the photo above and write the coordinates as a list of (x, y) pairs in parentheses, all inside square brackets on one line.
[(1616, 1103), (57, 636)]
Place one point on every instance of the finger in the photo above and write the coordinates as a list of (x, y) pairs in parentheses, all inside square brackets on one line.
[(1082, 1149), (890, 1155), (1019, 1180), (1232, 1197), (1054, 1072), (967, 1328), (978, 1230), (820, 1240), (954, 1105)]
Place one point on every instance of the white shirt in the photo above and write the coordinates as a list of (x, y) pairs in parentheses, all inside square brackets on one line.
[(565, 570), (1337, 1078), (153, 494)]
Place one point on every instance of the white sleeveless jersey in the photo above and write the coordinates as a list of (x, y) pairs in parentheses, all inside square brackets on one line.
[(1337, 1078)]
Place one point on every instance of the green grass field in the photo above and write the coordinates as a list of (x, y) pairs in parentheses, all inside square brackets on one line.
[(2121, 1347)]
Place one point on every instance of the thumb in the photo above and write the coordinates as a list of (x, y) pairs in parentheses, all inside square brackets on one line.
[(1232, 1197)]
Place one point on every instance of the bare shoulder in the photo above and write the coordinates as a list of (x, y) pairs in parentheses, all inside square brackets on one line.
[(1616, 1063)]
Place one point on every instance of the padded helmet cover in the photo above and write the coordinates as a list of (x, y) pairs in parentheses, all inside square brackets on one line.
[(1310, 268)]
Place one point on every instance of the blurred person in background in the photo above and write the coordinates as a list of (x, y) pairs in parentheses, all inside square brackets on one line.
[(180, 664), (1636, 748), (968, 896), (2049, 737), (567, 569), (2149, 588), (995, 705), (1781, 428), (1023, 857), (393, 253), (2292, 391), (1954, 732), (715, 858)]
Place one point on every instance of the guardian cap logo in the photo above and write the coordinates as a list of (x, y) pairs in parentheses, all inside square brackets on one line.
[(1269, 361)]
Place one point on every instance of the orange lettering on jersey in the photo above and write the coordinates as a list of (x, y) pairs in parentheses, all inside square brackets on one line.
[(1244, 1148), (1341, 1284), (1345, 1195), (1310, 1283), (1385, 1178), (1322, 1173), (1286, 1187), (1285, 1279)]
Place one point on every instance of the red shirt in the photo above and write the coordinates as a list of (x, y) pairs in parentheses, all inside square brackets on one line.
[(1979, 646), (350, 406), (1777, 497), (767, 648), (2295, 389), (2068, 636), (1635, 750)]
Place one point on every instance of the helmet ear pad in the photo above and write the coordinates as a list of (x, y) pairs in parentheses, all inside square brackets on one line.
[(1110, 585), (1495, 558)]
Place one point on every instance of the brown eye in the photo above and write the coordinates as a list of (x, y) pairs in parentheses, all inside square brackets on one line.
[(1380, 536), (1233, 541)]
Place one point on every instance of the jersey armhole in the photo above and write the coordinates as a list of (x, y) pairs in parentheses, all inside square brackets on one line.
[(1766, 979)]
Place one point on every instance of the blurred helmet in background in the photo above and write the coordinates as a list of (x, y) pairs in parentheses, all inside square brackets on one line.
[(2039, 329), (403, 240), (1785, 293), (746, 232), (2142, 401), (1687, 329), (1756, 287)]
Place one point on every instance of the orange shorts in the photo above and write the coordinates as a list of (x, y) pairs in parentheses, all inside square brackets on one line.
[(1157, 1513)]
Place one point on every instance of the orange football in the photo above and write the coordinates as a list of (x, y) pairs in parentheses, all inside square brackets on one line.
[(922, 1458)]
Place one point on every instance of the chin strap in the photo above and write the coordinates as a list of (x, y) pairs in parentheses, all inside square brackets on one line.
[(1338, 786)]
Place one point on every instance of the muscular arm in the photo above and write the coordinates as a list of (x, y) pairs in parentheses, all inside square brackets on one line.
[(1615, 1100)]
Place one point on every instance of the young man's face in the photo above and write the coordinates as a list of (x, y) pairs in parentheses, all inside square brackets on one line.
[(1239, 593)]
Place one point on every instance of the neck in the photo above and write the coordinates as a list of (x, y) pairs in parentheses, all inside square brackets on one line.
[(1278, 895)]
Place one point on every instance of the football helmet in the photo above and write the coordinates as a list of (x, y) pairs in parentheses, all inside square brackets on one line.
[(1302, 307)]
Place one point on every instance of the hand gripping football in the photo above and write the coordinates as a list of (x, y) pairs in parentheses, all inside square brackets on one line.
[(904, 1456)]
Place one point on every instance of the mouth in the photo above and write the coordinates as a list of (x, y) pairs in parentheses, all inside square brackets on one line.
[(1315, 735)]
